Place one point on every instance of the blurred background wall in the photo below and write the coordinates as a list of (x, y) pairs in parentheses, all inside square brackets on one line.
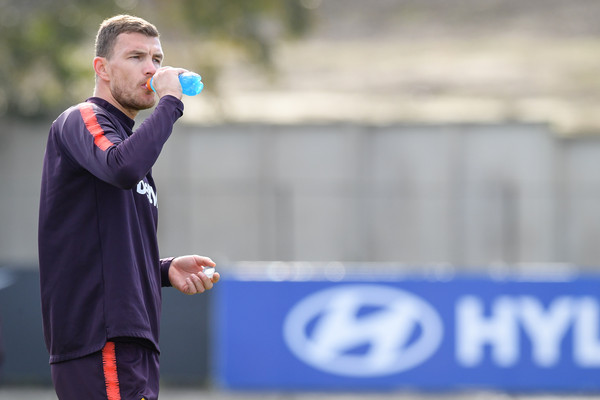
[(460, 133), (435, 131), (463, 194)]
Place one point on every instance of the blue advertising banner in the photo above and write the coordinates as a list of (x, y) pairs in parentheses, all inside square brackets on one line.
[(409, 333)]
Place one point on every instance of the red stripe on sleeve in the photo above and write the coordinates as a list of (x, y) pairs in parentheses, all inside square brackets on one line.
[(92, 125), (109, 364)]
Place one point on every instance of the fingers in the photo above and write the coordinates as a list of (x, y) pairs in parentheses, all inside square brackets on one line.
[(193, 279), (207, 283), (204, 261), (166, 81), (175, 69), (199, 283), (170, 70), (178, 71)]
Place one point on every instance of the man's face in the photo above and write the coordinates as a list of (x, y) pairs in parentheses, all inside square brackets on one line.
[(134, 59)]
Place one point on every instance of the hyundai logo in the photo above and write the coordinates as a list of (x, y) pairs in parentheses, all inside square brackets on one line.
[(362, 330)]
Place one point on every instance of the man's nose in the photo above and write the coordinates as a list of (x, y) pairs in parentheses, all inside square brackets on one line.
[(150, 68)]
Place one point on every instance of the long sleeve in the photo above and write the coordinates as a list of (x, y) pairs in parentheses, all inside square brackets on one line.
[(165, 264), (101, 147), (98, 219)]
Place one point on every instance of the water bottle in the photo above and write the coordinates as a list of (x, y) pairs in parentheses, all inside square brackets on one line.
[(191, 83)]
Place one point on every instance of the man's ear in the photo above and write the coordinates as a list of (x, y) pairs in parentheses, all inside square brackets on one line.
[(101, 68)]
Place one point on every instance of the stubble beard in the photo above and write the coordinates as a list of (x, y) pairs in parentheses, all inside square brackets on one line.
[(128, 100)]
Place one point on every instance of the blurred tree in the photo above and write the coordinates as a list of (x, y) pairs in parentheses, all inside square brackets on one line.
[(47, 46)]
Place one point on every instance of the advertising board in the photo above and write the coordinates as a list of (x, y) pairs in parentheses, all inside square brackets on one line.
[(409, 333)]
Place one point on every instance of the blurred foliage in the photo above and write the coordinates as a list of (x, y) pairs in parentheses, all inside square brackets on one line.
[(47, 47)]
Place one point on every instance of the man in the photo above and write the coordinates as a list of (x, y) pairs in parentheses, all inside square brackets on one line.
[(100, 271)]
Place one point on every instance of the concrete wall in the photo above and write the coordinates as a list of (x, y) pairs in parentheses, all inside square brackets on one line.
[(470, 195)]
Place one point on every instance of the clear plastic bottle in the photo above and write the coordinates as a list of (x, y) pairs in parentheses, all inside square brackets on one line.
[(191, 83)]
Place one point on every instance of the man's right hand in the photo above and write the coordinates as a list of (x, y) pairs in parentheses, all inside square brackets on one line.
[(166, 82)]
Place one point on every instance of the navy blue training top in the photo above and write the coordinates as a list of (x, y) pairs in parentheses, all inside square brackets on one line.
[(100, 271)]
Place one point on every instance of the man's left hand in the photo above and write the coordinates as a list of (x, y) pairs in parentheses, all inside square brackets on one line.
[(185, 274)]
